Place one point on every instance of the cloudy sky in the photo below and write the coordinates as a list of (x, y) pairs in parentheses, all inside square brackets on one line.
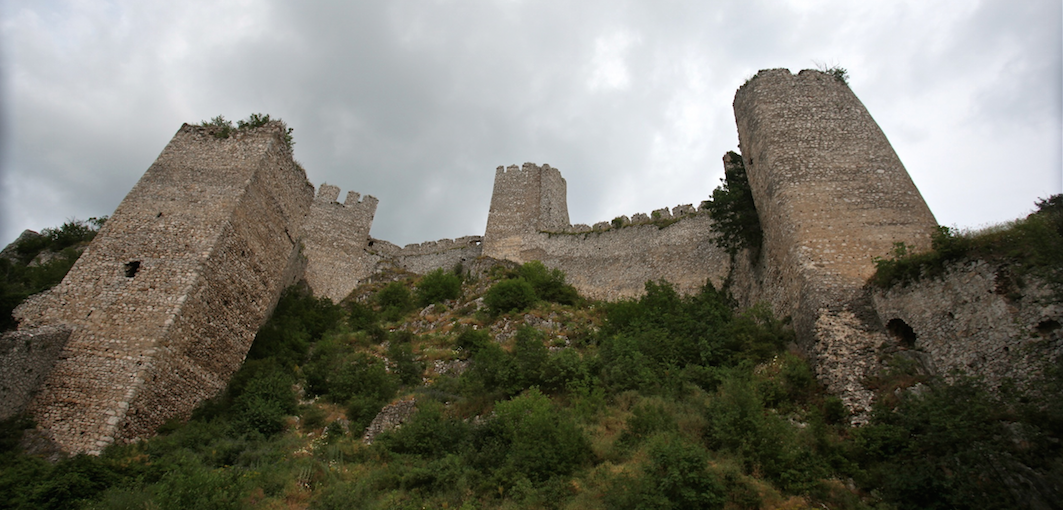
[(417, 101)]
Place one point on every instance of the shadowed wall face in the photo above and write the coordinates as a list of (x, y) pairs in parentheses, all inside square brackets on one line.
[(167, 299)]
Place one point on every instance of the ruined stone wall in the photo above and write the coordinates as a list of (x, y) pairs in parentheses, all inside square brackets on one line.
[(529, 221), (616, 263), (976, 319), (831, 192), (524, 200), (26, 359), (335, 242), (168, 297), (428, 256)]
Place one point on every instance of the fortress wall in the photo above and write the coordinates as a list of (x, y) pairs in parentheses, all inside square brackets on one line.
[(335, 239), (831, 192), (616, 263), (976, 320), (26, 359), (443, 254), (140, 296)]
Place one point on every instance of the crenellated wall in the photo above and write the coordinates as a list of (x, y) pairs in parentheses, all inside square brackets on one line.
[(335, 240)]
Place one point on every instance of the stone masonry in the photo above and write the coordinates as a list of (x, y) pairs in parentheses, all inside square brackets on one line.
[(525, 200), (831, 195), (162, 307), (335, 238), (166, 300)]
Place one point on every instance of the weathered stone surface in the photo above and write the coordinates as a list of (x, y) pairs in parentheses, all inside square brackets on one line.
[(831, 195), (525, 200), (167, 298), (26, 359), (335, 242), (10, 252), (391, 417), (974, 320)]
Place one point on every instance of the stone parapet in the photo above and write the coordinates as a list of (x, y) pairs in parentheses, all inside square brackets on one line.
[(336, 242)]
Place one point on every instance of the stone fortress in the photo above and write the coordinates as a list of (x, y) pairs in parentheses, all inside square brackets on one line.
[(162, 307)]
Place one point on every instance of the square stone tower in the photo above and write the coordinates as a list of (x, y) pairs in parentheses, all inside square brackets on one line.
[(525, 201), (335, 239), (165, 302)]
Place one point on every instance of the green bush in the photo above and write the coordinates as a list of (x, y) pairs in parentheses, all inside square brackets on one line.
[(529, 438), (361, 375), (428, 434), (262, 401), (549, 285), (409, 370), (395, 301), (733, 212), (438, 286), (510, 295), (1033, 245), (298, 320), (472, 340), (953, 446), (676, 476), (361, 317)]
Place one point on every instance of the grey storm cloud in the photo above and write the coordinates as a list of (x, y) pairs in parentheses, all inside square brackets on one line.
[(417, 102)]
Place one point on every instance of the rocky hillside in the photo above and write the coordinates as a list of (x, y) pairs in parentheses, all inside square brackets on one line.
[(496, 386)]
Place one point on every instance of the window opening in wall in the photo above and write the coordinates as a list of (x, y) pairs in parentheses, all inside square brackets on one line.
[(131, 268), (900, 330)]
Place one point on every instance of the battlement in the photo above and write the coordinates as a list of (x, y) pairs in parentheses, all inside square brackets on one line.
[(525, 201), (336, 240)]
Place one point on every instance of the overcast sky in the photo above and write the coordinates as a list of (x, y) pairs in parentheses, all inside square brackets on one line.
[(417, 102)]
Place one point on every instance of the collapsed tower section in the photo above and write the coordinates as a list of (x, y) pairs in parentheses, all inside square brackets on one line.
[(165, 302), (335, 240), (525, 202)]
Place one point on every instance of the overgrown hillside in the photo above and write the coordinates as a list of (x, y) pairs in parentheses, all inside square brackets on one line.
[(513, 392)]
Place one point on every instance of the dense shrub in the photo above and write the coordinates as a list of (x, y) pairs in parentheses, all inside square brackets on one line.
[(394, 300), (1033, 245), (263, 401), (675, 476), (405, 366), (361, 316), (529, 438), (438, 286), (647, 343), (298, 320), (549, 284), (510, 295), (472, 340), (733, 212), (429, 433), (956, 446)]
